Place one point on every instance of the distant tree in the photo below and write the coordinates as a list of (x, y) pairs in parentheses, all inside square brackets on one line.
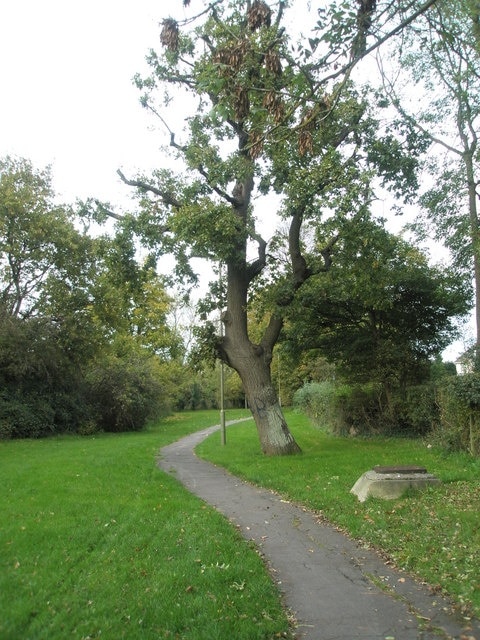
[(442, 57), (36, 234), (78, 315)]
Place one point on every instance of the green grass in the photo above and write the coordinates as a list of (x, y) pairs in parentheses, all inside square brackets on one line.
[(433, 534), (97, 542)]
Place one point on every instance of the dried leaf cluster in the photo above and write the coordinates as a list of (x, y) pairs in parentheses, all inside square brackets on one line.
[(242, 103), (305, 138), (272, 62), (259, 15), (274, 104), (255, 144), (169, 34), (231, 56), (305, 142)]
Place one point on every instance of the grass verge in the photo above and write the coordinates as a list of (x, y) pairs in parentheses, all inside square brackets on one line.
[(97, 542), (434, 534)]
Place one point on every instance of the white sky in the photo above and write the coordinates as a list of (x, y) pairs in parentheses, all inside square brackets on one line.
[(67, 93), (68, 100)]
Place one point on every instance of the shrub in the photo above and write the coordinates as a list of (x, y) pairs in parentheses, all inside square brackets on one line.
[(42, 391), (415, 412), (25, 416), (125, 392), (458, 427), (327, 405), (315, 399), (367, 409)]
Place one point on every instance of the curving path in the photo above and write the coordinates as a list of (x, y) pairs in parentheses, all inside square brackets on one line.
[(327, 580)]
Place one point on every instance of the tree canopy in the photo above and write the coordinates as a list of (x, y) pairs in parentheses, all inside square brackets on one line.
[(36, 235), (381, 314)]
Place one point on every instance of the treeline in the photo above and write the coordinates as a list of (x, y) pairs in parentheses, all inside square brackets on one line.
[(47, 389), (86, 341), (91, 341)]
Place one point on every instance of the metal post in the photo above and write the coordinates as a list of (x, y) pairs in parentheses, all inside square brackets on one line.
[(279, 381), (223, 431)]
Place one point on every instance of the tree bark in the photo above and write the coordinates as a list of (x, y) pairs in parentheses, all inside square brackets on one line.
[(252, 363), (253, 366), (475, 238)]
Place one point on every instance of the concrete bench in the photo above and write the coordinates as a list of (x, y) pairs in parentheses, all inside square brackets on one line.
[(390, 482)]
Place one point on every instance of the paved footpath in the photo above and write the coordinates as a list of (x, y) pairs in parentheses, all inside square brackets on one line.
[(327, 581)]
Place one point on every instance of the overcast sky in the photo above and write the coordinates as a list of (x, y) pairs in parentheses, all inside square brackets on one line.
[(67, 93), (68, 99), (67, 96)]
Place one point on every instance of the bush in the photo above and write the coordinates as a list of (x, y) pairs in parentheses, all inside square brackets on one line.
[(415, 412), (458, 427), (316, 400), (25, 417), (201, 389), (367, 409), (42, 391), (126, 392)]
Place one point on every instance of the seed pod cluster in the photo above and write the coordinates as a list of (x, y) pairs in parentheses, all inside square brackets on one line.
[(255, 144), (242, 103), (232, 56), (169, 34), (259, 15), (274, 105), (305, 142), (305, 138), (272, 62)]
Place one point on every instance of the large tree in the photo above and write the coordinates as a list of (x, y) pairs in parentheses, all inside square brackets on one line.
[(263, 115)]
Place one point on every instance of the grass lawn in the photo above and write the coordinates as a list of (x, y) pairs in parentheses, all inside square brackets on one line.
[(434, 534), (97, 542)]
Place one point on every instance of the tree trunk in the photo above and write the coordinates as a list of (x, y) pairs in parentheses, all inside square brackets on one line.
[(475, 238), (252, 361), (274, 435)]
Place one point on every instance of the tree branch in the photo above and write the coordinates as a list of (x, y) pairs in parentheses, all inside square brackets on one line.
[(390, 91), (166, 197), (255, 268), (108, 212), (345, 69), (301, 272), (223, 194), (281, 8), (272, 333), (235, 202), (326, 254), (210, 7)]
